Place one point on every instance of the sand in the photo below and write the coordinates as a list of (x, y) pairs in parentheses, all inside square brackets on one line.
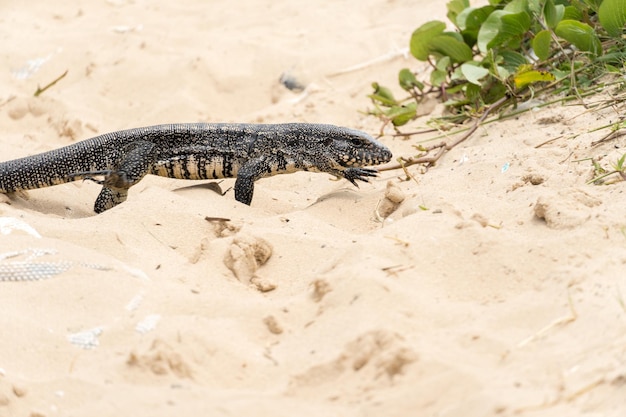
[(504, 297)]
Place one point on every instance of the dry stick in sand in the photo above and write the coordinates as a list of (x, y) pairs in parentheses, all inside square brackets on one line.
[(40, 90), (609, 136), (387, 57), (442, 147)]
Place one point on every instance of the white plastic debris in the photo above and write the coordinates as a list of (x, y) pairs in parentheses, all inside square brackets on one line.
[(134, 303), (30, 68), (135, 272), (10, 224), (126, 29), (87, 339), (148, 323), (31, 271)]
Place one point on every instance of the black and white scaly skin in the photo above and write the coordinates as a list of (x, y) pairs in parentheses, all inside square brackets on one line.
[(197, 151)]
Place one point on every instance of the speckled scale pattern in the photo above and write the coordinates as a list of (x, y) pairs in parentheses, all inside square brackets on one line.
[(199, 151)]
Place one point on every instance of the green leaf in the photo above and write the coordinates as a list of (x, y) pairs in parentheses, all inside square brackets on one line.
[(552, 13), (472, 18), (572, 13), (535, 6), (517, 6), (523, 78), (489, 30), (541, 44), (612, 15), (443, 63), (421, 37), (448, 45), (472, 92), (617, 57), (473, 72), (401, 115), (455, 35), (515, 24), (620, 163), (593, 4), (408, 81), (502, 72), (494, 92), (470, 21), (438, 77), (461, 19), (457, 75), (383, 95), (512, 60), (500, 28), (580, 35), (455, 7)]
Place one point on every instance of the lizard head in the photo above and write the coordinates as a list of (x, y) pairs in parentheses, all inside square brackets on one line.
[(349, 148)]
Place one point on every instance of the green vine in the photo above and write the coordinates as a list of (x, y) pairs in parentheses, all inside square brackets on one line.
[(504, 53)]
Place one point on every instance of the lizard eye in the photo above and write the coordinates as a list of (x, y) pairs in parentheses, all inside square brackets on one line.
[(355, 142), (328, 141)]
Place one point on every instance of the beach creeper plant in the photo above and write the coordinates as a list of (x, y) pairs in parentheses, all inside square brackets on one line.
[(495, 56), (506, 48), (619, 168)]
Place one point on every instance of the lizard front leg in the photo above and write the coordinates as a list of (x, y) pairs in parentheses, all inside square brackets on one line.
[(246, 176)]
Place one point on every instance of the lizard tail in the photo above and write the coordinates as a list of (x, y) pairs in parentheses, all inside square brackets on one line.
[(47, 169)]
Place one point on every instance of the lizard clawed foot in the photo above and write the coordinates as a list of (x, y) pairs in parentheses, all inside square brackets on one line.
[(361, 174)]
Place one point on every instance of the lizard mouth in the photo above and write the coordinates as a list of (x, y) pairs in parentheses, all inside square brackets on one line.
[(365, 158)]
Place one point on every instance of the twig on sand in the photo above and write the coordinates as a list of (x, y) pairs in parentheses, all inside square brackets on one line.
[(442, 147), (40, 90), (548, 141), (387, 57), (561, 321), (609, 136)]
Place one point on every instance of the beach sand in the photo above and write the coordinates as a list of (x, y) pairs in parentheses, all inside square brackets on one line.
[(495, 288)]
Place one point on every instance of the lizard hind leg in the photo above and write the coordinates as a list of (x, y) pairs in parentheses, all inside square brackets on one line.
[(248, 173), (136, 162), (109, 197)]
